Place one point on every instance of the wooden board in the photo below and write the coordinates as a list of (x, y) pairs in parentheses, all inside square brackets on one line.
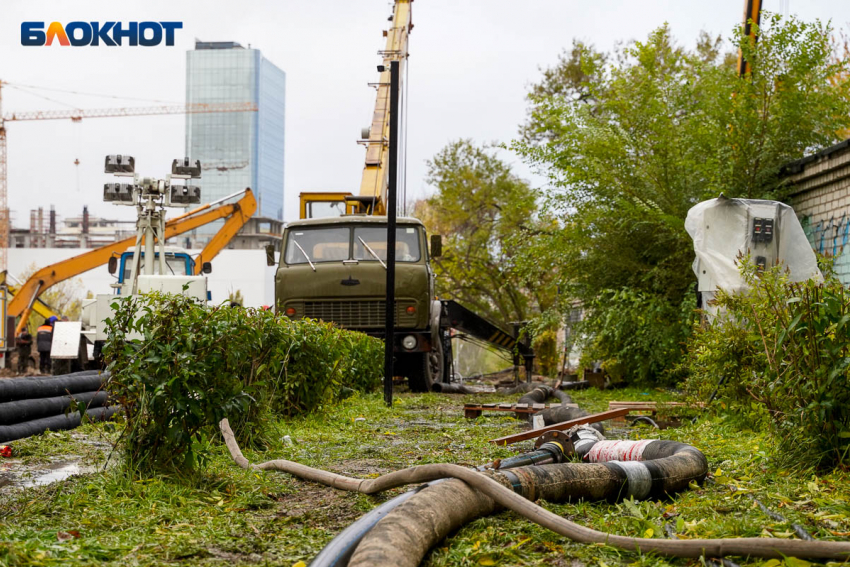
[(472, 411), (564, 425)]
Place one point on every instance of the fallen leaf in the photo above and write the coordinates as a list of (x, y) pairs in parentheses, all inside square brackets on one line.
[(299, 564), (486, 560), (516, 545), (65, 536), (794, 562)]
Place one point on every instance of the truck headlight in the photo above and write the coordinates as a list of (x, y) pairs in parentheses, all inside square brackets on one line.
[(409, 342)]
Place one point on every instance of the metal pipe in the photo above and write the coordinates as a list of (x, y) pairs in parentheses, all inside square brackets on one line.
[(392, 187)]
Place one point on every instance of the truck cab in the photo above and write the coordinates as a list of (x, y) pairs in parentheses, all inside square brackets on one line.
[(178, 262), (334, 269)]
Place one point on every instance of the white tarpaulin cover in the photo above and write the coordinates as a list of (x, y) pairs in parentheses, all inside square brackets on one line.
[(722, 227)]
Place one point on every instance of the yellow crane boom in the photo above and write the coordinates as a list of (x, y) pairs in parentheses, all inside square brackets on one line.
[(375, 171), (237, 214), (372, 197)]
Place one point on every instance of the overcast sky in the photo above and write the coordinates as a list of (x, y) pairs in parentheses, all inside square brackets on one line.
[(470, 67)]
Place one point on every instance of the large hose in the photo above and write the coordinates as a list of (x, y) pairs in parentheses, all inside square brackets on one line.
[(339, 551), (55, 423), (27, 410), (28, 387), (536, 396), (486, 491)]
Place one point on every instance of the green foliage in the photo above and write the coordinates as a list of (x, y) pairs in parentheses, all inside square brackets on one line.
[(479, 206), (636, 336), (633, 139), (783, 348), (546, 355), (195, 365)]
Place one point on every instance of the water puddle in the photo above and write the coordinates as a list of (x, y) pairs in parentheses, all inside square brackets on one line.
[(15, 474)]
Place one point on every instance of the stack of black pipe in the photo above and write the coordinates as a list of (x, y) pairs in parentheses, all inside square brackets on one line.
[(33, 404)]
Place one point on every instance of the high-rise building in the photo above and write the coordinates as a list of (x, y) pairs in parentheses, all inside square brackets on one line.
[(237, 149)]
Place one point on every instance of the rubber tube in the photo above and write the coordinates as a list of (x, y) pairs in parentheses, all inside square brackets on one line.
[(54, 423), (28, 410), (338, 552), (29, 387), (500, 494), (536, 396), (563, 397), (444, 388), (579, 385)]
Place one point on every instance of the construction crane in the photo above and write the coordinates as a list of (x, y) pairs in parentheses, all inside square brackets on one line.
[(76, 115), (752, 15), (372, 198), (237, 214)]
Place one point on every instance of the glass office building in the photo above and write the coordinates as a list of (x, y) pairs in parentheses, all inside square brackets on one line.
[(237, 149)]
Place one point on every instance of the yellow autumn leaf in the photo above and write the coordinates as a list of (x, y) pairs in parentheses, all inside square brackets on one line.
[(648, 533), (299, 564), (486, 560), (476, 546)]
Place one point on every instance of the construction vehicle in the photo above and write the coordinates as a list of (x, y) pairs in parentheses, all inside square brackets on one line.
[(170, 269), (334, 268)]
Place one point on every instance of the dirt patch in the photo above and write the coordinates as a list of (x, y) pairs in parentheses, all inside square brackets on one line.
[(313, 505)]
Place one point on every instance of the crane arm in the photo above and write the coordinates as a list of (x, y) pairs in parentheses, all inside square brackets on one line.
[(376, 171), (752, 15), (21, 304)]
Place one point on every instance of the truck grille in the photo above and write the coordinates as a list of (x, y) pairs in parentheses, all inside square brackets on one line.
[(357, 314)]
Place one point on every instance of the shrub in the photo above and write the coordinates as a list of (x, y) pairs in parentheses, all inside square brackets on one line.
[(784, 349), (636, 336), (195, 365)]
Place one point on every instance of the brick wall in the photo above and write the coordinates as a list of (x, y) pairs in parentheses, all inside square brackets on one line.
[(820, 196)]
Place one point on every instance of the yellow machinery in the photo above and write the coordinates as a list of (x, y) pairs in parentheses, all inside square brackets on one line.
[(752, 13), (372, 198), (39, 306), (236, 215)]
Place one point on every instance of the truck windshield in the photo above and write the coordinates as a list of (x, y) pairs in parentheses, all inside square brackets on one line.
[(320, 244), (406, 246), (335, 244), (174, 266)]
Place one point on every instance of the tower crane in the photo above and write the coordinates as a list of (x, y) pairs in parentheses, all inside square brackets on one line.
[(76, 115)]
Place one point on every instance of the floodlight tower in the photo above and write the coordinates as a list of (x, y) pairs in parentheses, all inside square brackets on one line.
[(150, 196)]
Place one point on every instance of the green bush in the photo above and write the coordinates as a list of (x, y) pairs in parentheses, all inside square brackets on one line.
[(636, 336), (195, 365), (784, 349)]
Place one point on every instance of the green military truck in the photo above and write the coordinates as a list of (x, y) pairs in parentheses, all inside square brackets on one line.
[(334, 269)]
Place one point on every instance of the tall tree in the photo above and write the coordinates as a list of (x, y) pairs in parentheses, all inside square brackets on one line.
[(479, 204), (659, 129)]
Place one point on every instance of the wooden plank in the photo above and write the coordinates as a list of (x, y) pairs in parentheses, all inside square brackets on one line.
[(521, 406), (538, 406), (488, 406), (506, 406), (564, 425)]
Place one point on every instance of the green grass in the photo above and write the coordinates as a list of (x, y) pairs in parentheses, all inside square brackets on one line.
[(232, 516)]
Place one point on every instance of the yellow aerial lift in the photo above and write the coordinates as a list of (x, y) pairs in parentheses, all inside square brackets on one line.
[(372, 198), (236, 215)]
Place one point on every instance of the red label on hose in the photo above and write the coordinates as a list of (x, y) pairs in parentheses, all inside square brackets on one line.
[(605, 451)]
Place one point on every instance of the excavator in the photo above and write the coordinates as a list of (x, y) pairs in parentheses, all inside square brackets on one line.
[(236, 214)]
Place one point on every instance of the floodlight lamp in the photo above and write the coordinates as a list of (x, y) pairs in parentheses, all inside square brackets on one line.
[(185, 195), (118, 192), (119, 164), (186, 167)]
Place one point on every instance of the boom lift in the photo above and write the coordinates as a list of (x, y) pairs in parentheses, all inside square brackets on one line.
[(334, 268), (236, 215)]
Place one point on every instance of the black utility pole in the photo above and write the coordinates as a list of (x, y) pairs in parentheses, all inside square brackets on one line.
[(389, 336)]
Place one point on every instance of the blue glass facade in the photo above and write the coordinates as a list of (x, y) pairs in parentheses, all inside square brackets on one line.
[(237, 149)]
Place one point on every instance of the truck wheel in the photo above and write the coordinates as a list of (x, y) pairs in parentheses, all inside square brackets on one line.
[(421, 370)]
